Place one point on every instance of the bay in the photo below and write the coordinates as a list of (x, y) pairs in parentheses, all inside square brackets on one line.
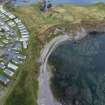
[(79, 71)]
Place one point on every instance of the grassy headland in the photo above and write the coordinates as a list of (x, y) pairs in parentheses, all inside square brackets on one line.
[(40, 25)]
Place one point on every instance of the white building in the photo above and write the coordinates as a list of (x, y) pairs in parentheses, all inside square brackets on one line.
[(8, 72), (12, 66), (11, 23), (25, 42), (17, 20), (10, 15)]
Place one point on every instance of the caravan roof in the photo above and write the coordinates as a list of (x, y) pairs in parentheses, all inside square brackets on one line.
[(9, 72), (12, 66)]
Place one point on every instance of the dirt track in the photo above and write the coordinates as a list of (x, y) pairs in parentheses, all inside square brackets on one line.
[(45, 96)]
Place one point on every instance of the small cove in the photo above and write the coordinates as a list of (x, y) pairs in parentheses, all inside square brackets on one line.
[(79, 73)]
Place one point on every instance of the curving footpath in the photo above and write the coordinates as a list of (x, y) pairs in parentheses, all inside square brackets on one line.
[(45, 96)]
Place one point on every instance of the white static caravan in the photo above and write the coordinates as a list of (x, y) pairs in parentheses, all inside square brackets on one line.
[(25, 33), (24, 40), (2, 65), (25, 44), (25, 36), (10, 15), (3, 11), (8, 72), (23, 30), (1, 22), (11, 23), (17, 21), (12, 66), (6, 28)]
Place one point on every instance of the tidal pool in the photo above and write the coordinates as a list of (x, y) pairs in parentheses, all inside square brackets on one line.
[(79, 71)]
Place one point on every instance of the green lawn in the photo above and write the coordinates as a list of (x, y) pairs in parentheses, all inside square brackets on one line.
[(1, 72)]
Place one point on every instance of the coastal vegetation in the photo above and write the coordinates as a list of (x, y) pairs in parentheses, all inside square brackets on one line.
[(41, 26)]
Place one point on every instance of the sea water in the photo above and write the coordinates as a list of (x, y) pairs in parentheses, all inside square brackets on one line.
[(21, 2), (79, 70)]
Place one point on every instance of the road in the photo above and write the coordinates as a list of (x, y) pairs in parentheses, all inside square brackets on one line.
[(45, 96)]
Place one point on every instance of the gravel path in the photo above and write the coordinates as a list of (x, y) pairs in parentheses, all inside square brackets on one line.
[(45, 94)]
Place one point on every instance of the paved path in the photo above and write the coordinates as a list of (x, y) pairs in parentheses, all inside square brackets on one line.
[(45, 94)]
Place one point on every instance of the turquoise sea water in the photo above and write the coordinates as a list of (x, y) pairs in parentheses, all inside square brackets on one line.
[(19, 2)]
